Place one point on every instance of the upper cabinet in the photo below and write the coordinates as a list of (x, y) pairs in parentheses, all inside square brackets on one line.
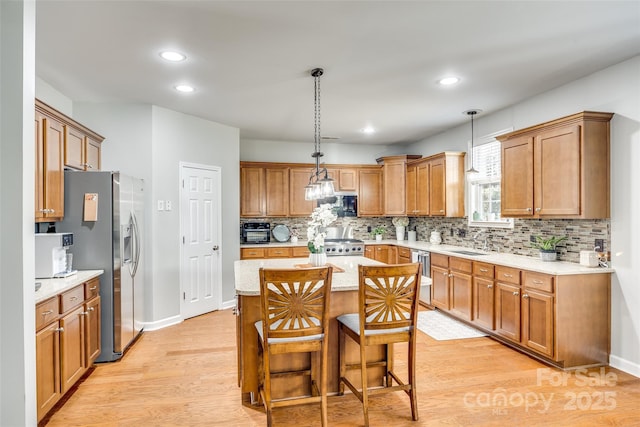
[(394, 170), (370, 197), (558, 169), (435, 185), (264, 190), (60, 143)]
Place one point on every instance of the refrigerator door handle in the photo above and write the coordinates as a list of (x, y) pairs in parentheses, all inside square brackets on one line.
[(136, 245)]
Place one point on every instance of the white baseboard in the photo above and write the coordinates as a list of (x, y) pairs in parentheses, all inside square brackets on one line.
[(228, 304), (624, 365), (163, 323)]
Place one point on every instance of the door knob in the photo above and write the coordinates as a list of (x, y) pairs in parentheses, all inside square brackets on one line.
[(215, 247)]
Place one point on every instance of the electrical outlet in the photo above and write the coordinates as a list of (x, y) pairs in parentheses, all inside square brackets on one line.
[(451, 232), (368, 229), (532, 238), (599, 245), (462, 232), (160, 205), (168, 205)]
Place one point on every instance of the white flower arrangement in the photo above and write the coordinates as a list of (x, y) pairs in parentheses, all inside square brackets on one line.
[(400, 221), (321, 217)]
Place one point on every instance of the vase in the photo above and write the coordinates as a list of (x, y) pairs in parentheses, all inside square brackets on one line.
[(400, 232), (378, 237), (318, 259), (435, 238), (548, 255)]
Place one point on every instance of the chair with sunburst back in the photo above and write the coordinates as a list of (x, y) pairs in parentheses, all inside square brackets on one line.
[(295, 319), (388, 312)]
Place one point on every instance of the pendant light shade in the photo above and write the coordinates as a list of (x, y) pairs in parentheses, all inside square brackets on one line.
[(471, 172), (320, 184)]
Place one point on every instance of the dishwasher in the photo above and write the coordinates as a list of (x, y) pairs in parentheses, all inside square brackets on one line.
[(425, 283)]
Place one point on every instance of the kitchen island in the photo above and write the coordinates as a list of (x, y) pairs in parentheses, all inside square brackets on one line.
[(344, 299)]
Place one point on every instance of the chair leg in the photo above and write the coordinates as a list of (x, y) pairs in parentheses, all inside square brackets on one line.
[(412, 378), (389, 361), (343, 363), (365, 392), (323, 386)]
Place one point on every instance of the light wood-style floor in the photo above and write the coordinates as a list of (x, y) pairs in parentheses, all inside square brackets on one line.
[(185, 375)]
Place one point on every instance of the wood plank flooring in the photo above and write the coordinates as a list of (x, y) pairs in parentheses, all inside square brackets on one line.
[(186, 375)]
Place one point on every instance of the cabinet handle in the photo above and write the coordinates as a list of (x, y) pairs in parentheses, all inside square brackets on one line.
[(508, 275), (537, 209), (48, 312), (516, 293), (46, 211), (529, 209), (489, 286), (525, 296), (483, 270), (73, 298), (87, 165), (537, 282), (91, 309), (450, 275), (441, 210), (59, 329), (445, 274), (93, 288)]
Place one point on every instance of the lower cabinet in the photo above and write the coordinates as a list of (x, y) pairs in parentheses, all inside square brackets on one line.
[(274, 252), (383, 253), (561, 319), (67, 341)]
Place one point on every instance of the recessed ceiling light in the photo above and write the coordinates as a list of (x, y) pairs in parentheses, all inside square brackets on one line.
[(448, 81), (184, 88), (172, 56), (368, 130)]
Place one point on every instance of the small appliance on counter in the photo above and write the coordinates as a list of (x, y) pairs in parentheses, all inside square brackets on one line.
[(51, 255), (343, 204), (256, 232)]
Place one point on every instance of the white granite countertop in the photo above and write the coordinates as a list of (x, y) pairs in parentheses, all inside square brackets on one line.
[(52, 287), (505, 259), (248, 282)]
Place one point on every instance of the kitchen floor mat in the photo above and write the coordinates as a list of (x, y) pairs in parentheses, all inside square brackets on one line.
[(442, 327)]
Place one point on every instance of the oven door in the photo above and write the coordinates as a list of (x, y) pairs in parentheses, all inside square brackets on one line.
[(255, 236)]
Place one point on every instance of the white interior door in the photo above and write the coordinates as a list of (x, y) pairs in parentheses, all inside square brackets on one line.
[(200, 214)]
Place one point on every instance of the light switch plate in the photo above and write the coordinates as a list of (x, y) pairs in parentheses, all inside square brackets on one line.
[(160, 205), (167, 205)]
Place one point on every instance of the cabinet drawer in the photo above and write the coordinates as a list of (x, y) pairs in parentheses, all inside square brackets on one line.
[(248, 253), (278, 252), (459, 264), (540, 281), (439, 260), (71, 298), (46, 312), (91, 288), (404, 252), (482, 269), (508, 275), (299, 251)]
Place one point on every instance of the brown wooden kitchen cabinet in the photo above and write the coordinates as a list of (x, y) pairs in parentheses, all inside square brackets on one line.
[(348, 179), (264, 190), (483, 295), (298, 180), (440, 281), (557, 169), (418, 188), (404, 255), (446, 184), (49, 179), (81, 150), (508, 303), (383, 253), (274, 252), (67, 341), (394, 172), (451, 285), (277, 189), (370, 196)]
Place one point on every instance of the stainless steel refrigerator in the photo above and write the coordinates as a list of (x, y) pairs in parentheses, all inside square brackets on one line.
[(111, 240)]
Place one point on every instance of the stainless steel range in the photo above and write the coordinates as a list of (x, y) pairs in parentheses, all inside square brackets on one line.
[(340, 242)]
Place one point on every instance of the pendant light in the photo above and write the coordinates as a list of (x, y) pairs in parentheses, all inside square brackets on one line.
[(320, 185), (471, 172)]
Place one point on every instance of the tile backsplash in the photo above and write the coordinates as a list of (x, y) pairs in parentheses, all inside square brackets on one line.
[(581, 234)]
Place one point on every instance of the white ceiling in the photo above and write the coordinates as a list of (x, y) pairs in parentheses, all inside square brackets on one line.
[(250, 60)]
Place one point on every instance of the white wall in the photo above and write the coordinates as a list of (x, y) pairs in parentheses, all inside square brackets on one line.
[(17, 271), (252, 150), (617, 90), (51, 96)]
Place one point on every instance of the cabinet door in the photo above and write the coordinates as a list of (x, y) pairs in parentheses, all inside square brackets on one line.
[(298, 206), (47, 369), (537, 321), (74, 148), (53, 170), (557, 172), (517, 177), (348, 179), (92, 331), (422, 189), (394, 186), (437, 190), (460, 294), (381, 253), (93, 155), (411, 205), (483, 302), (252, 192), (369, 251), (508, 311), (39, 178), (72, 348), (277, 189), (370, 192), (440, 287)]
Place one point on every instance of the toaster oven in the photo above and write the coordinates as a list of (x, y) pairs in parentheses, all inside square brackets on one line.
[(256, 232)]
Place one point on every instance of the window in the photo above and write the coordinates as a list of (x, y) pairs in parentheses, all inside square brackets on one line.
[(484, 188)]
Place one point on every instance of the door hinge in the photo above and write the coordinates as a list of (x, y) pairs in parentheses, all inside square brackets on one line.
[(184, 296), (183, 240)]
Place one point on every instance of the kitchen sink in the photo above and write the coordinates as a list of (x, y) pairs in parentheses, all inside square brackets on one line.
[(473, 253)]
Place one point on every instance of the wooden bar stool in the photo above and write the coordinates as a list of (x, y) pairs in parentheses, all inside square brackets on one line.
[(295, 319), (388, 312)]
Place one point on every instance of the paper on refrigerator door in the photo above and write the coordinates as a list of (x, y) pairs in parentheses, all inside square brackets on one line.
[(90, 206)]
